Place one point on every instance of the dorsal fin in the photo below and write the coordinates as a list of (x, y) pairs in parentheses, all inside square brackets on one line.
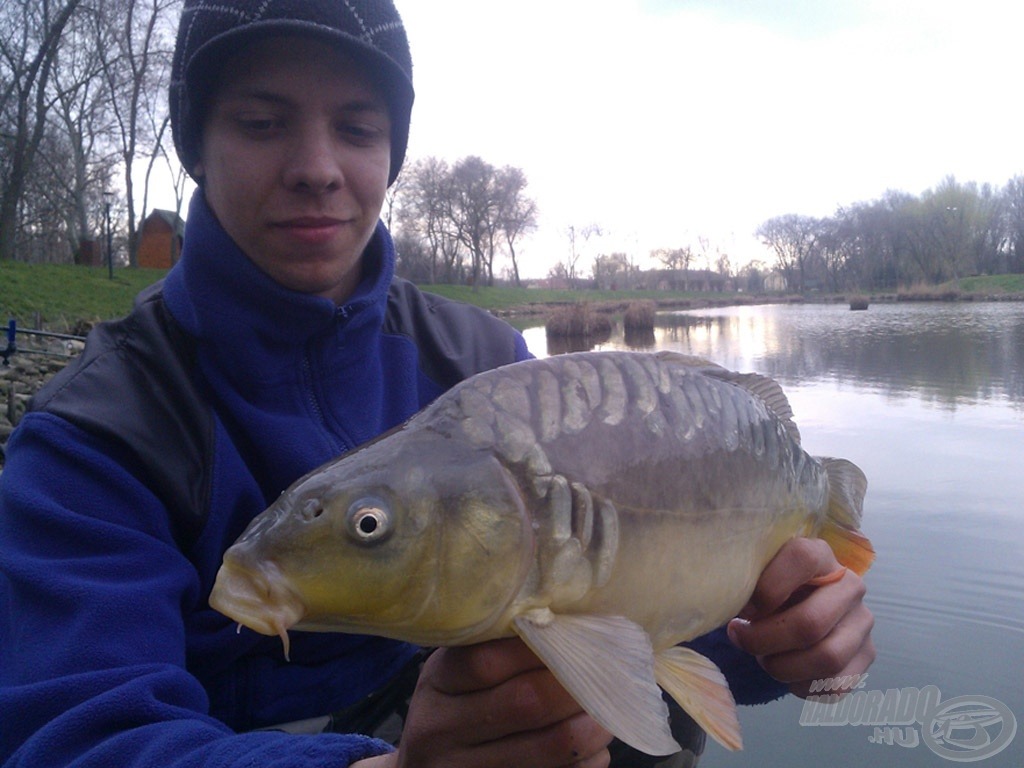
[(766, 390), (690, 361)]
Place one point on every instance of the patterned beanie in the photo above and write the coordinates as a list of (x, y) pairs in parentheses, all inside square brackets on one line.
[(210, 31)]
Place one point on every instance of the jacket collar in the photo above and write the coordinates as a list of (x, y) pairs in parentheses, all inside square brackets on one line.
[(219, 295)]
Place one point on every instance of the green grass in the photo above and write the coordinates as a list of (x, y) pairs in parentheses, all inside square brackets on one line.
[(993, 284), (62, 294)]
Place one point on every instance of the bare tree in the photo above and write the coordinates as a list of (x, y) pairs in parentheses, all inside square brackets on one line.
[(424, 210), (81, 114), (517, 213), (677, 261), (723, 264), (468, 209), (30, 36), (576, 248), (704, 242), (838, 246), (474, 207), (751, 276), (178, 175), (137, 68), (613, 271), (794, 239), (1013, 213), (391, 198)]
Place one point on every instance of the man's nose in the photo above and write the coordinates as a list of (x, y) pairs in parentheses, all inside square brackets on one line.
[(314, 164)]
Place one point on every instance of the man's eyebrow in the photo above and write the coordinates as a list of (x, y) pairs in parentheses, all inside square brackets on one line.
[(258, 94), (262, 95), (276, 98)]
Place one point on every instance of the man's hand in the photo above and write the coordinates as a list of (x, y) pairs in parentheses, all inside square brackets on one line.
[(801, 631), (495, 704)]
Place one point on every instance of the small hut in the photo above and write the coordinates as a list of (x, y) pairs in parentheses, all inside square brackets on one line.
[(160, 238)]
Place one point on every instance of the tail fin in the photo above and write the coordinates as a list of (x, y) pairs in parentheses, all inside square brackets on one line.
[(847, 486)]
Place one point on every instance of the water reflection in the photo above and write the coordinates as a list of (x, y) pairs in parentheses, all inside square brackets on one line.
[(929, 401), (563, 345), (947, 355), (643, 340)]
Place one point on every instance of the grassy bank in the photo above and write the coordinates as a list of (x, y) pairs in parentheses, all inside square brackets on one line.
[(993, 285), (61, 295)]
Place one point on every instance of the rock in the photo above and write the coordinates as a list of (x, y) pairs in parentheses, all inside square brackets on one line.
[(19, 381)]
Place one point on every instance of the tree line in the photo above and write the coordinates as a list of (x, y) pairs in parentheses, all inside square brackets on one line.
[(897, 241), (951, 231)]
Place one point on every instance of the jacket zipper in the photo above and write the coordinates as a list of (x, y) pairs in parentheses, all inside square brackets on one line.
[(339, 439)]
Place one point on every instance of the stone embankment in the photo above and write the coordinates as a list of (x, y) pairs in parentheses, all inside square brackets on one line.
[(19, 380)]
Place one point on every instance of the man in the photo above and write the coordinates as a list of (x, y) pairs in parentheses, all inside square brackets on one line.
[(280, 340)]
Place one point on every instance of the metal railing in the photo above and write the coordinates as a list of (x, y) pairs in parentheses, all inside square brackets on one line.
[(12, 347), (40, 343)]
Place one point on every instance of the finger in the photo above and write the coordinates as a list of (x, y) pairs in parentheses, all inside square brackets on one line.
[(575, 741), (832, 657), (802, 625), (859, 664), (830, 578), (478, 667), (530, 700), (496, 704), (798, 562), (601, 760)]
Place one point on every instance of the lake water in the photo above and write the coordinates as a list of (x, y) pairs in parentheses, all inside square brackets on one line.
[(929, 401)]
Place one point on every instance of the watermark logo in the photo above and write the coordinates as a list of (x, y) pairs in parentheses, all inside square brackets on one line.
[(964, 729)]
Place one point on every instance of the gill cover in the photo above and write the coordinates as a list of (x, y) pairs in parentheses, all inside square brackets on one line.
[(405, 539)]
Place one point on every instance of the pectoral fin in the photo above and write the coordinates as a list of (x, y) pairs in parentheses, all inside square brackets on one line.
[(700, 688), (607, 664)]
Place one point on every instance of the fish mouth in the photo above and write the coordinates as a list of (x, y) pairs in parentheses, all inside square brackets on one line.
[(258, 599)]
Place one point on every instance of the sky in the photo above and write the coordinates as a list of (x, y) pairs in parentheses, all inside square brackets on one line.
[(669, 123)]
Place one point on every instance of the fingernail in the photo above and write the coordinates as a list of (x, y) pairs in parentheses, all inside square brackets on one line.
[(732, 629)]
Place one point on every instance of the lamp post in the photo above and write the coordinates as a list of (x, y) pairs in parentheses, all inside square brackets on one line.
[(110, 251)]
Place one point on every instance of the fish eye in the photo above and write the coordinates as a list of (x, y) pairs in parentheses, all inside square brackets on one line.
[(368, 521)]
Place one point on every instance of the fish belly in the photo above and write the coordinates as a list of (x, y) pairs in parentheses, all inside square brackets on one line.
[(679, 579)]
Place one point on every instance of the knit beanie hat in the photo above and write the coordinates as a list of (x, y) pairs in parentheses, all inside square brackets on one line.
[(210, 31)]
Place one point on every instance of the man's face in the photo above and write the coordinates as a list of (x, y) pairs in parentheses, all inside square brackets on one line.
[(295, 156)]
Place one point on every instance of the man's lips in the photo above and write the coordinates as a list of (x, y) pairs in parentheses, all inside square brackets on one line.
[(310, 229)]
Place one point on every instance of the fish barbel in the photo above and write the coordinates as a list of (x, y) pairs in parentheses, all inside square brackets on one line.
[(604, 506)]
